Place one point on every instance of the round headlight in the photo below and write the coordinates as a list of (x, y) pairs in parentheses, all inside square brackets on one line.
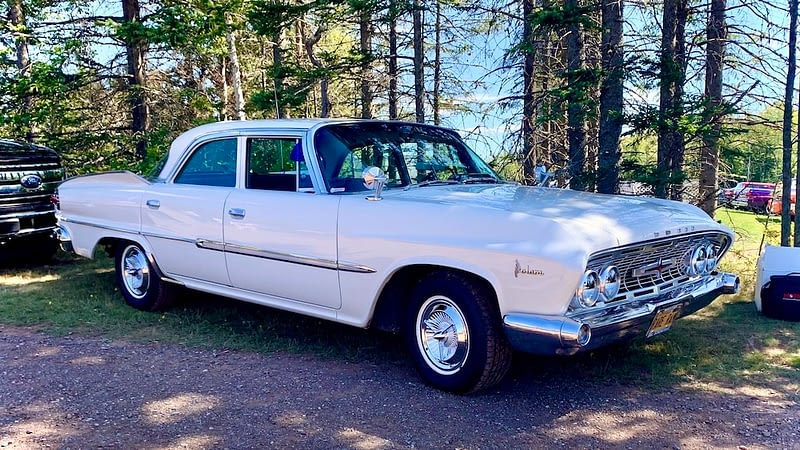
[(711, 258), (697, 262), (610, 282), (589, 289)]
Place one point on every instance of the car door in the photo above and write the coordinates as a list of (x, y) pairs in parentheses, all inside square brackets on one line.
[(183, 218), (280, 237)]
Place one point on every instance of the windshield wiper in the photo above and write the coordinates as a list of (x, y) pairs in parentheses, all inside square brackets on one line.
[(477, 178), (432, 183)]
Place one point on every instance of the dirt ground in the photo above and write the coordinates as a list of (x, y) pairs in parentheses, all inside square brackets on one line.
[(78, 392)]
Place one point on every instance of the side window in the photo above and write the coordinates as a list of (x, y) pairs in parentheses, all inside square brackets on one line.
[(276, 164), (211, 164)]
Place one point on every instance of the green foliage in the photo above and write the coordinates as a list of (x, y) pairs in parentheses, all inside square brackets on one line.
[(560, 15), (293, 94), (755, 152), (648, 173), (577, 89)]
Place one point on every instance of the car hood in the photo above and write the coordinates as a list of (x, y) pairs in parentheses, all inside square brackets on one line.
[(600, 220), (18, 152)]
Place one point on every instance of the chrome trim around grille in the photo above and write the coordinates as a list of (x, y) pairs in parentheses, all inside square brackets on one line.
[(643, 271)]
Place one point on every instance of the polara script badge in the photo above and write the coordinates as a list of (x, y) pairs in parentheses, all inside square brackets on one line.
[(519, 270)]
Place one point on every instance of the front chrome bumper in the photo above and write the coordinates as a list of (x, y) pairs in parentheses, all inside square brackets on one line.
[(567, 335)]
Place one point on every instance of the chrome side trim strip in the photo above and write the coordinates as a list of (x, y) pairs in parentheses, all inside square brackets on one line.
[(89, 224), (169, 238), (353, 267), (285, 257), (125, 230), (206, 244), (210, 245)]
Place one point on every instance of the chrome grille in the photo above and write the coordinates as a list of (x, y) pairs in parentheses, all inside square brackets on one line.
[(668, 255), (32, 166), (16, 199)]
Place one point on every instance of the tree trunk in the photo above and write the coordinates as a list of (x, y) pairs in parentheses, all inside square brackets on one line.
[(393, 72), (277, 63), (677, 103), (709, 152), (529, 151), (236, 71), (576, 123), (670, 137), (324, 82), (611, 97), (136, 49), (419, 60), (223, 65), (437, 64), (787, 126), (16, 16), (365, 26), (796, 192)]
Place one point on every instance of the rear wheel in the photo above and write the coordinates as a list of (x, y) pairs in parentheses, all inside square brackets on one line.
[(140, 284), (454, 334)]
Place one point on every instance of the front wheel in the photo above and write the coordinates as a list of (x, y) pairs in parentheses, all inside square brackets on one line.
[(454, 334), (140, 284)]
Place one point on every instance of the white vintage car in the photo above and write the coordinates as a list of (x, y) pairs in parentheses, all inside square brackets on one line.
[(398, 226)]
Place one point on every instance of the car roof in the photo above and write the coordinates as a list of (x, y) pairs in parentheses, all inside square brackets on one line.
[(182, 142)]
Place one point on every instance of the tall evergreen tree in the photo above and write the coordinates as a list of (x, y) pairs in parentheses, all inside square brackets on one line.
[(611, 96), (786, 230), (136, 51), (419, 61), (709, 152), (671, 149)]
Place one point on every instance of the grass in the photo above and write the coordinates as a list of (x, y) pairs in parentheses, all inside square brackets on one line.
[(75, 295), (726, 344)]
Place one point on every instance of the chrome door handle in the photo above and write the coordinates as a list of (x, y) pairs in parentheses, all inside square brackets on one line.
[(236, 213), (153, 204)]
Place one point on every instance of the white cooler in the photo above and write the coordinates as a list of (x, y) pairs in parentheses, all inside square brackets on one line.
[(775, 261)]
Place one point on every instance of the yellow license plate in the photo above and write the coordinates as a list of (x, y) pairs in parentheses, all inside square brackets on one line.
[(663, 320)]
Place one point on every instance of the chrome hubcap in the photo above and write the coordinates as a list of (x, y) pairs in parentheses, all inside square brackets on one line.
[(442, 335), (135, 272)]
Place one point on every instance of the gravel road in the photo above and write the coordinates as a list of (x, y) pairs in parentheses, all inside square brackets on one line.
[(81, 392)]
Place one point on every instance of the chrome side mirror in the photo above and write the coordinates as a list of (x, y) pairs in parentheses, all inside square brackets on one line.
[(374, 179)]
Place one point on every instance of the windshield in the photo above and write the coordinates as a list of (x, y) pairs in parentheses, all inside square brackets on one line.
[(409, 154)]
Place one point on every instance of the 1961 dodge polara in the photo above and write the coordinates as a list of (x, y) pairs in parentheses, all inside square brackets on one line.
[(398, 226)]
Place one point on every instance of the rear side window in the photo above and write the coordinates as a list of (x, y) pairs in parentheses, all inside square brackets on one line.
[(212, 164)]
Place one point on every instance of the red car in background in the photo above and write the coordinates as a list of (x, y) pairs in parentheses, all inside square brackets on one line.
[(776, 204), (759, 200), (737, 196)]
